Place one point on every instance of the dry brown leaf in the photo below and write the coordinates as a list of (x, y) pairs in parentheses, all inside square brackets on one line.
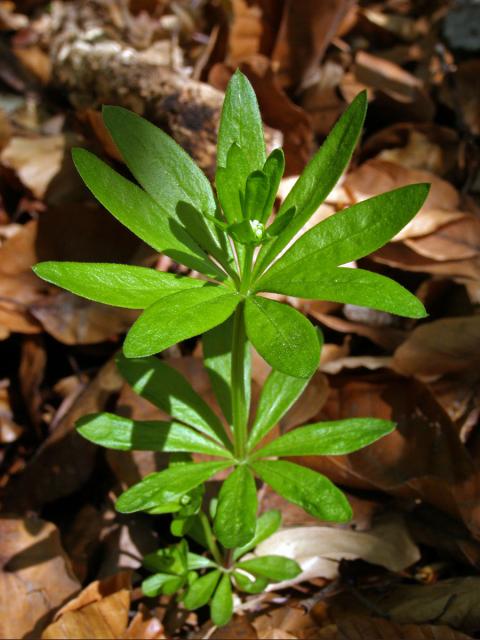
[(377, 176), (9, 430), (36, 576), (105, 619), (363, 628), (443, 346), (36, 61), (144, 626), (457, 240), (65, 460), (398, 91), (35, 160), (422, 145), (452, 602), (423, 458)]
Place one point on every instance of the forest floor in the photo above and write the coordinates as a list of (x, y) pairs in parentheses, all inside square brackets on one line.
[(407, 565)]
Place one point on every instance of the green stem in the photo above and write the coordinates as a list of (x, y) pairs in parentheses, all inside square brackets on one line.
[(238, 394), (210, 538)]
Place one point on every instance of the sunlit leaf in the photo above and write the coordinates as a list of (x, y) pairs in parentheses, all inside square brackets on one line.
[(236, 514), (116, 284)]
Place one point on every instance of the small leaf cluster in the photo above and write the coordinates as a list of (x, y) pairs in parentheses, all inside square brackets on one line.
[(199, 580), (240, 252)]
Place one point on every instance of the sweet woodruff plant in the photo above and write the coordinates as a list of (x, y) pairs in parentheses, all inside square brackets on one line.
[(240, 250)]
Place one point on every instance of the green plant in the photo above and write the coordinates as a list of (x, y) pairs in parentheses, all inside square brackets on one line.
[(231, 242)]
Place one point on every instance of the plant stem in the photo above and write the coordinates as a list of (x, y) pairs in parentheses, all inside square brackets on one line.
[(210, 539), (238, 392)]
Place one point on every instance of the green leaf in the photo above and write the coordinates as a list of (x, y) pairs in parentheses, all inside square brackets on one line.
[(310, 490), (278, 394), (124, 434), (217, 358), (116, 284), (236, 515), (241, 124), (250, 585), (320, 176), (167, 487), (178, 317), (350, 234), (201, 590), (280, 223), (230, 183), (352, 286), (273, 168), (257, 191), (282, 336), (155, 225), (161, 583), (159, 164), (266, 526), (327, 438), (274, 568), (167, 389), (221, 607), (196, 562), (172, 559)]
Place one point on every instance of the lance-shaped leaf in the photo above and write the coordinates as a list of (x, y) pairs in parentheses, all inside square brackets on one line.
[(309, 489), (352, 286), (221, 607), (140, 213), (282, 336), (167, 487), (352, 233), (328, 438), (167, 389), (257, 191), (116, 284), (161, 583), (217, 358), (236, 514), (320, 176), (178, 317), (161, 166), (200, 592), (266, 526), (241, 124), (275, 568), (273, 168), (230, 182), (278, 394), (125, 434)]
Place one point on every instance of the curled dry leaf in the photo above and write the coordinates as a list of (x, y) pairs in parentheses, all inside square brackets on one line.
[(99, 611), (319, 550), (36, 161), (457, 240), (35, 577), (376, 176), (443, 346)]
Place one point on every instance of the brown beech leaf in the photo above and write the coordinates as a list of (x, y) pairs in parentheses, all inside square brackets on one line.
[(145, 626), (423, 458), (443, 346), (398, 92), (376, 176), (361, 628), (457, 240), (36, 161), (452, 602), (99, 611), (35, 577)]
